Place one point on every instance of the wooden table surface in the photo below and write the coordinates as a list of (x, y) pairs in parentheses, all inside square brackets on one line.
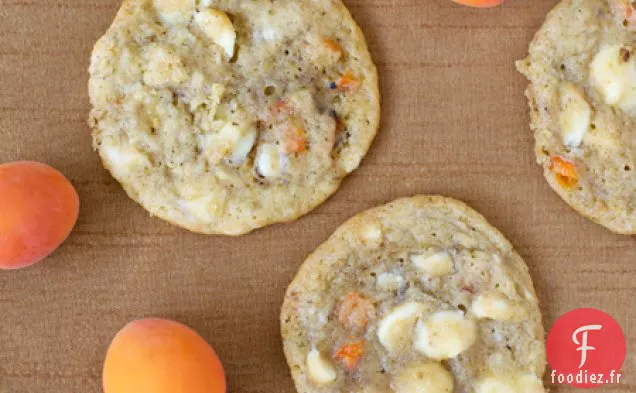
[(454, 123)]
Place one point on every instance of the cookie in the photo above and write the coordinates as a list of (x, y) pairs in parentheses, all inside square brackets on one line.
[(421, 292), (582, 95), (223, 116)]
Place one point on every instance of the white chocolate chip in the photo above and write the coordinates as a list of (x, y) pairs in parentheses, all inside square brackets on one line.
[(496, 306), (576, 115), (494, 385), (218, 27), (122, 158), (436, 265), (321, 370), (351, 160), (444, 335), (529, 383), (424, 378), (515, 383), (278, 24), (199, 208), (163, 68), (614, 77), (270, 161), (606, 73), (231, 131), (389, 281), (395, 330), (372, 234), (203, 208), (232, 141), (202, 92), (243, 147), (172, 12), (270, 34)]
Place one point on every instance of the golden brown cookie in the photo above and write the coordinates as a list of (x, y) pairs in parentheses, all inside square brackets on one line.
[(582, 96), (421, 294), (222, 116)]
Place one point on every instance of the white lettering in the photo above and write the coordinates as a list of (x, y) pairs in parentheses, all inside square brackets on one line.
[(583, 343)]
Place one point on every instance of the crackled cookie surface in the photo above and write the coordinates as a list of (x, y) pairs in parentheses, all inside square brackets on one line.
[(582, 95), (420, 295), (223, 116)]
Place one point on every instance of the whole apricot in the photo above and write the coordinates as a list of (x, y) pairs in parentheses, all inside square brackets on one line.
[(38, 210), (480, 3), (161, 356)]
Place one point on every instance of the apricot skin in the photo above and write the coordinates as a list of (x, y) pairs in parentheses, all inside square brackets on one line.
[(161, 356), (480, 3), (38, 210)]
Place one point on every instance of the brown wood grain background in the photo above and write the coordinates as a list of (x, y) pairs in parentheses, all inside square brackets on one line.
[(454, 123)]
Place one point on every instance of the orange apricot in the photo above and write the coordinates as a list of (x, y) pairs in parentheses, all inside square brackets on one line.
[(281, 108), (161, 356), (480, 3), (332, 45), (295, 140), (355, 311), (350, 354), (348, 82), (38, 210), (565, 171)]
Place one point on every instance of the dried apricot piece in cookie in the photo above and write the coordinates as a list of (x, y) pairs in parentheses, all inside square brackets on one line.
[(564, 171), (334, 48), (348, 82), (625, 12), (295, 140), (350, 354), (355, 311)]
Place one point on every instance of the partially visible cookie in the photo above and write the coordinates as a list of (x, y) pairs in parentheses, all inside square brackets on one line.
[(419, 295), (582, 96), (223, 116)]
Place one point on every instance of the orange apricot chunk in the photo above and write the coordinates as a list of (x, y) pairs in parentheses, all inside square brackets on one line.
[(281, 108), (38, 210), (480, 3), (334, 50), (161, 356), (350, 354), (624, 12), (355, 311), (295, 140), (332, 45), (348, 82), (565, 171)]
